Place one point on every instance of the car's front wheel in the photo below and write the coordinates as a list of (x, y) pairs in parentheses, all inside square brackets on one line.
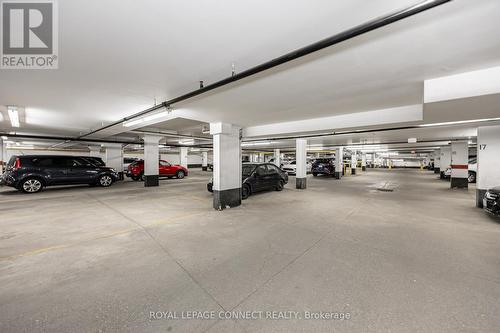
[(245, 192), (105, 180), (31, 185), (180, 174), (280, 186), (472, 177), (315, 174), (136, 178)]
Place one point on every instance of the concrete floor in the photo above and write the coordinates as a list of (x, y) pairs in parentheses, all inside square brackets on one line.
[(419, 259)]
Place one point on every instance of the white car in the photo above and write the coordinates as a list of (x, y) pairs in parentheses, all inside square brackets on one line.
[(291, 168)]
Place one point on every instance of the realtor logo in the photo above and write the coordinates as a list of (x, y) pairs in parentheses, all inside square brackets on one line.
[(29, 34)]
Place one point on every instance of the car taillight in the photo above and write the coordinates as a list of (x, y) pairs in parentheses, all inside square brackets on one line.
[(17, 164)]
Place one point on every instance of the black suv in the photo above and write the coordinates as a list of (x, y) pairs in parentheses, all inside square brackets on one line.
[(31, 173), (323, 166), (259, 177), (491, 201)]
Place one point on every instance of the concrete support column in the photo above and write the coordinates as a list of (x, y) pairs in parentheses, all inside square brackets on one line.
[(488, 160), (227, 165), (301, 164), (460, 164), (437, 161), (277, 158), (261, 157), (339, 162), (151, 160), (183, 156), (204, 161), (445, 161), (354, 162), (114, 158), (363, 162)]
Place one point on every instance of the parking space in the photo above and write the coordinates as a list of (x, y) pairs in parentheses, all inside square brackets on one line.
[(94, 258)]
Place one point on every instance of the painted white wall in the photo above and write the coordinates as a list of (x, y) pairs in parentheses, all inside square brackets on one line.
[(488, 157)]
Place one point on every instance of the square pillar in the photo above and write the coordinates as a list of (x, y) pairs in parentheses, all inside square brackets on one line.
[(437, 161), (363, 162), (277, 158), (204, 161), (183, 157), (488, 161), (151, 160), (114, 158), (460, 164), (227, 165), (339, 162), (445, 160), (301, 164), (354, 162)]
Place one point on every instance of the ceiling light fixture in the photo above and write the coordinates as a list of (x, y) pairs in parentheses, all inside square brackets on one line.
[(4, 137), (145, 119), (14, 116), (459, 122)]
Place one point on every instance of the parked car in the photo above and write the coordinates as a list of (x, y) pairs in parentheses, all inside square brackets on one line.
[(259, 177), (491, 201), (291, 167), (31, 173), (472, 171), (323, 166), (136, 170), (127, 161)]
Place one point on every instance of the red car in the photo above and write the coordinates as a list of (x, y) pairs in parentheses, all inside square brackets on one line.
[(136, 170)]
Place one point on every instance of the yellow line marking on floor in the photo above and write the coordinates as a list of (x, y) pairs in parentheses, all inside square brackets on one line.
[(113, 234)]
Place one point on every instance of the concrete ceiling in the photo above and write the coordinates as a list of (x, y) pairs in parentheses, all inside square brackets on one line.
[(117, 57)]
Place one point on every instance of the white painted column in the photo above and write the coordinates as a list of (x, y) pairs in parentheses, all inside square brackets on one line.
[(183, 156), (488, 161), (363, 162), (151, 160), (460, 164), (277, 158), (437, 161), (114, 158), (261, 158), (339, 162), (301, 163), (227, 165), (204, 161), (354, 162), (445, 160)]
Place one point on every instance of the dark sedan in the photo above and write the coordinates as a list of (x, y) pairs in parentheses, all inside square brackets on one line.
[(259, 177), (491, 201), (323, 166)]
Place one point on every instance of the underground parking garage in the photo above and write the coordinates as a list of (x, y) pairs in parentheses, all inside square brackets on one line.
[(252, 172)]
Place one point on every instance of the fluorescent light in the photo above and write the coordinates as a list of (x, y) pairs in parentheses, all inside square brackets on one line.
[(187, 142), (146, 119), (4, 137), (13, 115), (460, 122), (261, 143)]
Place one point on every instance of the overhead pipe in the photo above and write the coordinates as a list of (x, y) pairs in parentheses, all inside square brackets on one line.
[(324, 43)]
